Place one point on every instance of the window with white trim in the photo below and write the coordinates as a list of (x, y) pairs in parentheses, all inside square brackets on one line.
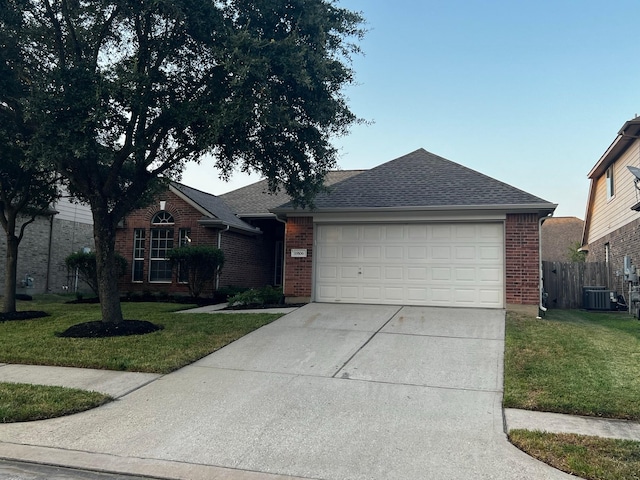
[(159, 267), (610, 187), (138, 255), (184, 240)]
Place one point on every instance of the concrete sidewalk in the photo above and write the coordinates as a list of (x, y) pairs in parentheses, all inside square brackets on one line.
[(560, 423), (115, 384), (118, 384), (330, 392)]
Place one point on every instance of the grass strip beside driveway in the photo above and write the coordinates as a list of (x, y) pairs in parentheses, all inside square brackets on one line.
[(592, 458), (575, 362), (184, 339), (20, 402)]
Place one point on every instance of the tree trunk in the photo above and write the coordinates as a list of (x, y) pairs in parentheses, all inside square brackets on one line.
[(107, 271), (9, 305)]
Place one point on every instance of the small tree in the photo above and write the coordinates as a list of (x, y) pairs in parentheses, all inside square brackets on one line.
[(575, 254), (85, 264), (198, 264), (27, 188)]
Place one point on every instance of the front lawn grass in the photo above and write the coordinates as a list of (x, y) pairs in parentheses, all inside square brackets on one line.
[(185, 338), (592, 458), (575, 362), (21, 402)]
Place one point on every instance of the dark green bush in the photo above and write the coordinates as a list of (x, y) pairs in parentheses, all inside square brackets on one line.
[(198, 265), (87, 270)]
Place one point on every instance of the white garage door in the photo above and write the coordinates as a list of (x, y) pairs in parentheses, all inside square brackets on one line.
[(456, 264)]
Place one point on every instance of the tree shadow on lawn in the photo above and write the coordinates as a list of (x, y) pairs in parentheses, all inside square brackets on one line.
[(24, 315)]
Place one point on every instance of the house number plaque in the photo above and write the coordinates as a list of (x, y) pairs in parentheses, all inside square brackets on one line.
[(298, 252)]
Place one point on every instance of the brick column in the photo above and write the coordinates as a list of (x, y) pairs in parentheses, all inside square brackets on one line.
[(522, 259), (298, 271)]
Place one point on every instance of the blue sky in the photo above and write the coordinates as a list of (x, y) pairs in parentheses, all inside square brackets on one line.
[(530, 93)]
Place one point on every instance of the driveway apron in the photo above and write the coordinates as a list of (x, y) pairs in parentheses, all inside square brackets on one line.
[(326, 392)]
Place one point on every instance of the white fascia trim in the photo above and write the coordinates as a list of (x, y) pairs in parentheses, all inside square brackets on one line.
[(215, 222), (394, 217)]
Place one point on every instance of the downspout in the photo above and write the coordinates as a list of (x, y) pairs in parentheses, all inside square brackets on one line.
[(47, 282), (541, 308), (220, 232), (284, 248)]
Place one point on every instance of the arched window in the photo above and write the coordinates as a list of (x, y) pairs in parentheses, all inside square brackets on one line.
[(162, 218), (161, 243)]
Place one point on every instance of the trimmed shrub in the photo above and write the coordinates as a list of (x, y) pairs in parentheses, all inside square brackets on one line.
[(198, 265)]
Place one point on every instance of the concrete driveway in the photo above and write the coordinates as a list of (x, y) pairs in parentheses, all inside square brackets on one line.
[(326, 392)]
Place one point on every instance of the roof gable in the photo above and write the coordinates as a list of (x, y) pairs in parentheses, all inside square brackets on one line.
[(255, 199), (211, 206), (421, 179)]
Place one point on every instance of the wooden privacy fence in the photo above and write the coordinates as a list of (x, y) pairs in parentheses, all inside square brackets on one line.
[(563, 282)]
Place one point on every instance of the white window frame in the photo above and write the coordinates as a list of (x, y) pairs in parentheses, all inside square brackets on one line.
[(184, 240), (138, 253), (167, 238), (609, 176)]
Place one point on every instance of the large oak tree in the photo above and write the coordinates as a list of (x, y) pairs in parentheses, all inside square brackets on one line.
[(130, 90)]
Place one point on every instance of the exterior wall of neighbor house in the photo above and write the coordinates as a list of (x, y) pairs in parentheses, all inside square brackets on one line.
[(45, 245), (611, 220), (609, 214), (622, 241), (559, 235), (521, 259)]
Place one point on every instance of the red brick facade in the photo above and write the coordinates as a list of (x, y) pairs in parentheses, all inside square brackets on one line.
[(522, 259), (249, 259), (298, 275)]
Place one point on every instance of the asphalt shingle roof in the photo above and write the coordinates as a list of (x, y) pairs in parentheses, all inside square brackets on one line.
[(421, 179), (255, 199), (214, 205)]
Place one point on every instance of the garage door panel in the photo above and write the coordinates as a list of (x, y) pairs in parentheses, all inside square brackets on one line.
[(394, 273), (349, 272), (440, 252), (491, 254), (490, 275), (372, 273), (417, 252), (441, 274), (393, 253), (465, 275), (419, 264), (465, 253), (328, 272)]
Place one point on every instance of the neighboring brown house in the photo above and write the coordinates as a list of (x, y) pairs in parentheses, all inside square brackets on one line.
[(418, 230), (612, 223), (558, 235)]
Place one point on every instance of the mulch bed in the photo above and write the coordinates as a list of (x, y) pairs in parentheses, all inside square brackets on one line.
[(99, 329), (25, 315)]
